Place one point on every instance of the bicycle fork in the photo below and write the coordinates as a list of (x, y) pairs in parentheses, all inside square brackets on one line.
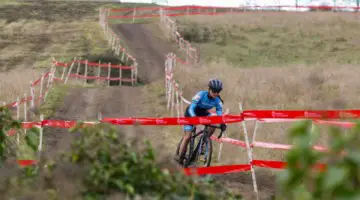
[(203, 150)]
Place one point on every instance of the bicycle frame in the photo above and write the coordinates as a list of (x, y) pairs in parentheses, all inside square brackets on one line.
[(199, 145)]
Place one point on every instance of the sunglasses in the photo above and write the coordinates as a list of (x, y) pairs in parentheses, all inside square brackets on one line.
[(215, 91)]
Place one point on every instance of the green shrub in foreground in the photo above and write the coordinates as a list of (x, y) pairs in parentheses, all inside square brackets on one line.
[(116, 165), (341, 179), (27, 146)]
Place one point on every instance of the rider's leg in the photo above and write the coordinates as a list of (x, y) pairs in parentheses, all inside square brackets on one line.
[(185, 141), (211, 131)]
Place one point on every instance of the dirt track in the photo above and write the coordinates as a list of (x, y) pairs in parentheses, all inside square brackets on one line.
[(126, 101), (85, 103), (148, 50)]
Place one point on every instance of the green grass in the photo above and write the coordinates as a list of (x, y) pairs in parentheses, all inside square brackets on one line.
[(36, 40), (54, 99), (275, 39), (25, 152), (8, 2), (90, 41), (130, 13)]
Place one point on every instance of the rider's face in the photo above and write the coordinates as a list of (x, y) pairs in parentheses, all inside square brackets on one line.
[(213, 94)]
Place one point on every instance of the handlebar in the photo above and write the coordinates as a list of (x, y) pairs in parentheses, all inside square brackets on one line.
[(214, 126)]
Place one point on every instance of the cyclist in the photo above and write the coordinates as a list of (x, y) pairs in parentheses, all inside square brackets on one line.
[(201, 103)]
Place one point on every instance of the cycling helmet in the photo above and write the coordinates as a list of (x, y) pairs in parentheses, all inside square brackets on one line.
[(215, 85)]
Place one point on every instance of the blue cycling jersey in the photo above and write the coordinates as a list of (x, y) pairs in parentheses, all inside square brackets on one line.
[(202, 100)]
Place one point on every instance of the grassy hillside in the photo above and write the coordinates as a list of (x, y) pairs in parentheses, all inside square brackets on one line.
[(275, 39), (42, 30)]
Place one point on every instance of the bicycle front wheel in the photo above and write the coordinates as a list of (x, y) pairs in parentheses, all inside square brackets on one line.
[(189, 149), (203, 152)]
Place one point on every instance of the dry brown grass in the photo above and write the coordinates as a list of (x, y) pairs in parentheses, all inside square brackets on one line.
[(154, 104), (312, 58), (15, 83), (296, 87), (268, 39)]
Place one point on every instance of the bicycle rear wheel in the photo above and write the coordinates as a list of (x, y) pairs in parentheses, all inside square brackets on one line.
[(203, 152)]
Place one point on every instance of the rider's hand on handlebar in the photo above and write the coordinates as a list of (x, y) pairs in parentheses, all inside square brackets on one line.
[(223, 127)]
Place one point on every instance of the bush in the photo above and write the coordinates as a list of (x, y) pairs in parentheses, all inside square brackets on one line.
[(194, 32), (115, 165), (341, 177), (7, 143)]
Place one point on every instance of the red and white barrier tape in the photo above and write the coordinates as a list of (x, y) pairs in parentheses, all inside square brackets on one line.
[(223, 169), (301, 114), (28, 98), (189, 8), (165, 121), (93, 64)]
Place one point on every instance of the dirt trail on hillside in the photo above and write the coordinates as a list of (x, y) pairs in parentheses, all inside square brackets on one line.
[(86, 103), (149, 50)]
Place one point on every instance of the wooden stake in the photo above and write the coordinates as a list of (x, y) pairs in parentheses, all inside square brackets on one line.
[(109, 71), (86, 69)]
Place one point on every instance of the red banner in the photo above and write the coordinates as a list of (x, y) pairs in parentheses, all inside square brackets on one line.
[(217, 169), (139, 121), (25, 163), (223, 169), (305, 114), (169, 121), (174, 120), (280, 164)]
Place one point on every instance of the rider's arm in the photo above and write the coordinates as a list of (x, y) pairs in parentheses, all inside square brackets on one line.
[(219, 108), (194, 101)]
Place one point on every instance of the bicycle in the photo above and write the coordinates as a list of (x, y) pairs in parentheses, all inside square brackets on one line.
[(194, 154)]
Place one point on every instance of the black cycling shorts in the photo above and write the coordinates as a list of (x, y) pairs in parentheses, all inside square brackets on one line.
[(200, 112)]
